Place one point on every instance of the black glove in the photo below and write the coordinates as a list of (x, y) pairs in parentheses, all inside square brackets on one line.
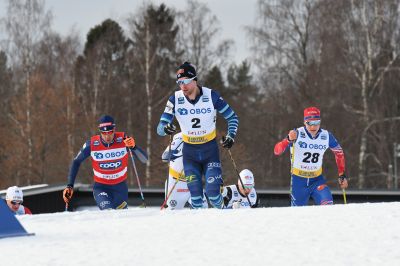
[(227, 142), (169, 129)]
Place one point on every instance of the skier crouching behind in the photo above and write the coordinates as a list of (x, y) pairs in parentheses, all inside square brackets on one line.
[(236, 196)]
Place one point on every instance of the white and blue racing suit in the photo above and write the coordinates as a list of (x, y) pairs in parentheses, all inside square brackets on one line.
[(197, 120)]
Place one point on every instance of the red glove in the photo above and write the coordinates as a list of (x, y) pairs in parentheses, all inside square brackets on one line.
[(67, 194), (129, 142)]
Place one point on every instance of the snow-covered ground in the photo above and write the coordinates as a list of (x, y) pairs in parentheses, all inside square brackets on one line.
[(353, 234)]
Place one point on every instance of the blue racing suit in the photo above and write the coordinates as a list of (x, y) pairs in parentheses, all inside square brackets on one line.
[(200, 153), (304, 188)]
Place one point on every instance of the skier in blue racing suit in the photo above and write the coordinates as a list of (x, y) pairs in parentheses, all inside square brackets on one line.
[(195, 107)]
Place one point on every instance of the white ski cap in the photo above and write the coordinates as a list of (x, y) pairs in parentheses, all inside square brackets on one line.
[(247, 178), (14, 193)]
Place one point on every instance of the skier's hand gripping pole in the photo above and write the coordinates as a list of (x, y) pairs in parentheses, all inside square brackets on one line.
[(67, 196), (343, 185)]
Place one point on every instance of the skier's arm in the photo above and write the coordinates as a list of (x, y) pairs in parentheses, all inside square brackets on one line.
[(136, 150), (227, 112), (76, 163), (167, 116), (281, 146), (175, 144), (339, 154), (27, 210), (165, 156), (255, 205), (140, 154)]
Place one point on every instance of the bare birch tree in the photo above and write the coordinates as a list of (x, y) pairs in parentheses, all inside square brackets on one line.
[(26, 23), (154, 55), (198, 38), (283, 49), (281, 41), (372, 34), (55, 76)]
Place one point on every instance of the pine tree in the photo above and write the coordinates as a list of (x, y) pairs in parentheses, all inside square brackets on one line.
[(101, 71), (154, 57)]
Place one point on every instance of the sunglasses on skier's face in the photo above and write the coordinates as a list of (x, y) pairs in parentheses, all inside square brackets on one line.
[(313, 123), (185, 81), (14, 202), (108, 132)]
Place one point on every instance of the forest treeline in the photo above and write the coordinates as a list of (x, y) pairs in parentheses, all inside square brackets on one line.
[(341, 56)]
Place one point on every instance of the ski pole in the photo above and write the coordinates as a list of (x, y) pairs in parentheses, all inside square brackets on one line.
[(137, 177), (66, 206), (237, 172), (169, 194), (344, 196), (341, 179), (169, 165), (291, 173)]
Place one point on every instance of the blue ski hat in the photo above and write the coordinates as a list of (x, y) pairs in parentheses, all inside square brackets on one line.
[(106, 123)]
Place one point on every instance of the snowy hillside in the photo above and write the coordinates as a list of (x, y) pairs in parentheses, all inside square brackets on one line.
[(354, 234)]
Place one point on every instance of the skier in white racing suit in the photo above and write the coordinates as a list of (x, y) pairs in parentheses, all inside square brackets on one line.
[(236, 196), (176, 183)]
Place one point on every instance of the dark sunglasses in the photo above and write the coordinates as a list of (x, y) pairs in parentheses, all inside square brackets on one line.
[(109, 132), (185, 81), (14, 202), (313, 122)]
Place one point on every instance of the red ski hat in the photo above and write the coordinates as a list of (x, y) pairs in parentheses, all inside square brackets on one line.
[(312, 113)]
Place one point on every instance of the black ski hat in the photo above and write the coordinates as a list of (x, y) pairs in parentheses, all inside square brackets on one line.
[(186, 70), (106, 123)]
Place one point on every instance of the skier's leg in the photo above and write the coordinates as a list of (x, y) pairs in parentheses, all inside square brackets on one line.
[(195, 186), (179, 195), (102, 196), (321, 193), (120, 195), (299, 192), (213, 175), (193, 174)]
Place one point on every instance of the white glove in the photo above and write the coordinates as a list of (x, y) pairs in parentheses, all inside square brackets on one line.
[(236, 205)]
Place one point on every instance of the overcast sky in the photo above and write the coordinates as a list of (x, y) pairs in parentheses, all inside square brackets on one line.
[(233, 15)]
